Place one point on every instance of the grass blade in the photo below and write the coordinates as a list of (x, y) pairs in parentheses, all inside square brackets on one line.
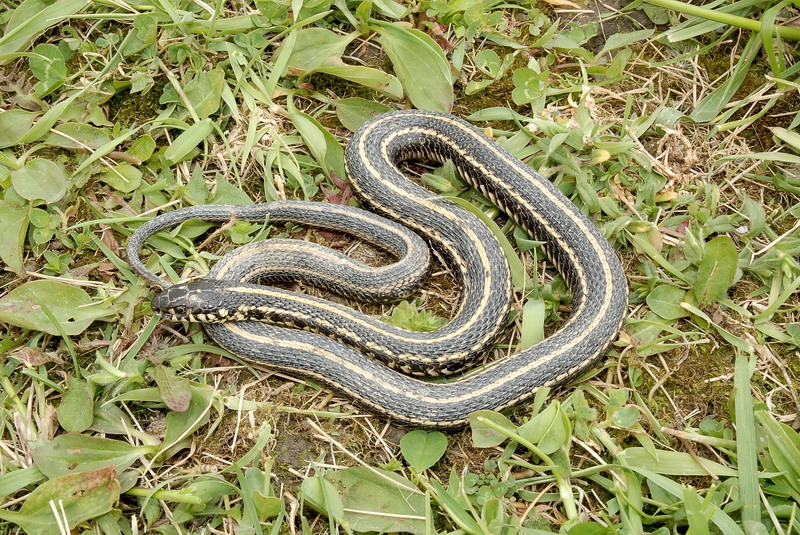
[(746, 444), (31, 18), (518, 275), (713, 103)]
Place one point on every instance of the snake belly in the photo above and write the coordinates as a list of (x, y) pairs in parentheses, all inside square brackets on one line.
[(572, 243)]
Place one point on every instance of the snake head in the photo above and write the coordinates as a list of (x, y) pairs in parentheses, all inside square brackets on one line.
[(195, 301)]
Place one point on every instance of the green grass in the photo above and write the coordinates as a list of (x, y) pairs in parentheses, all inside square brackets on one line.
[(675, 131)]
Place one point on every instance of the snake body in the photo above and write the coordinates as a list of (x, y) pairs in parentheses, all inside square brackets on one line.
[(233, 305)]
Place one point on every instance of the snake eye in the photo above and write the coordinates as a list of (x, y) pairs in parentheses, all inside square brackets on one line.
[(171, 302), (162, 302)]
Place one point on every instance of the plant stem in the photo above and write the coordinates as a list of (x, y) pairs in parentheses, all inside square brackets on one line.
[(784, 32), (560, 474)]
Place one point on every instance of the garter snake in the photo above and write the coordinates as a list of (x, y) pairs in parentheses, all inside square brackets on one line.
[(234, 308)]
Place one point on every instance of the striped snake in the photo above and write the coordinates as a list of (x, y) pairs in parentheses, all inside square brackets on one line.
[(373, 362)]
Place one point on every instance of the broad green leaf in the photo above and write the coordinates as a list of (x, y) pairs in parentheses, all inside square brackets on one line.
[(716, 271), (205, 92), (53, 115), (40, 179), (142, 149), (407, 316), (615, 147), (484, 435), (71, 306), (147, 395), (72, 453), (257, 484), (227, 193), (366, 76), (488, 62), (109, 419), (657, 14), (675, 463), (664, 300), (354, 112), (14, 221), (645, 332), (619, 40), (314, 48), (97, 116), (790, 137), (31, 18), (14, 124), (144, 33), (422, 449), (122, 177), (475, 86), (76, 411), (529, 87), (206, 490), (626, 417), (416, 57), (493, 515), (390, 8), (48, 65), (497, 114), (696, 511), (176, 392), (321, 143), (441, 182), (322, 496), (379, 500), (80, 497), (754, 212), (180, 425), (550, 429), (533, 316), (78, 136), (188, 140)]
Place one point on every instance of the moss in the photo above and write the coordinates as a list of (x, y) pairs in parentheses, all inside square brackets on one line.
[(343, 88), (693, 386), (496, 94), (701, 384), (135, 108)]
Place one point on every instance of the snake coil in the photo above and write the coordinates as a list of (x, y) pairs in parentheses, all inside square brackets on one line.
[(234, 304)]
